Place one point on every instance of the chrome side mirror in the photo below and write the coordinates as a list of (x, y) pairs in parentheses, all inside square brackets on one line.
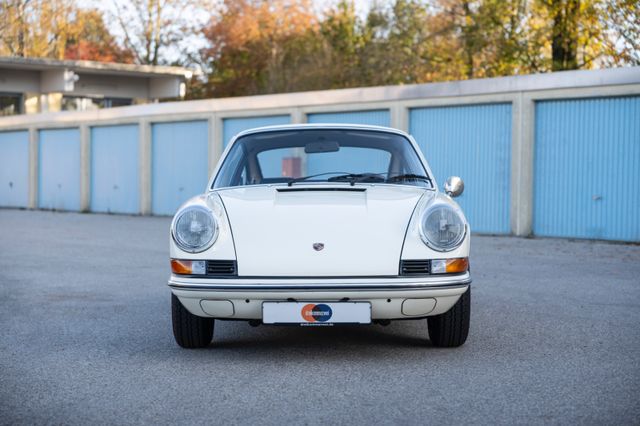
[(454, 186)]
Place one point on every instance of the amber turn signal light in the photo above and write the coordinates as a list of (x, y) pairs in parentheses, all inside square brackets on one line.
[(457, 265), (450, 266), (188, 267)]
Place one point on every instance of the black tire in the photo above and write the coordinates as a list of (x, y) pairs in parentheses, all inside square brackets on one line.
[(190, 331), (451, 329)]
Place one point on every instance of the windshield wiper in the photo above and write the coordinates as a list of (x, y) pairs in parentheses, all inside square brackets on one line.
[(354, 178), (302, 178), (409, 176)]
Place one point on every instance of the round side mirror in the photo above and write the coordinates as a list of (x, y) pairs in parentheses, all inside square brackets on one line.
[(454, 186)]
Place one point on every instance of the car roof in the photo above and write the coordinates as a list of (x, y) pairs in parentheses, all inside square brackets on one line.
[(310, 126)]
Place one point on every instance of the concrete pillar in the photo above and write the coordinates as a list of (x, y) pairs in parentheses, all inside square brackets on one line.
[(400, 117), (218, 138), (297, 116), (211, 144), (522, 146), (33, 168), (144, 146), (85, 167)]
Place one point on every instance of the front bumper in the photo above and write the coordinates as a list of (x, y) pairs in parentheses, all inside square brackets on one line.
[(390, 298)]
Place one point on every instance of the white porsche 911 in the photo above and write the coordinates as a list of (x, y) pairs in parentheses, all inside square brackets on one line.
[(321, 225)]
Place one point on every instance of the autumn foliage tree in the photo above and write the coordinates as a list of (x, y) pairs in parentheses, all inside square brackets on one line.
[(90, 39), (57, 29), (272, 46), (153, 28), (261, 47)]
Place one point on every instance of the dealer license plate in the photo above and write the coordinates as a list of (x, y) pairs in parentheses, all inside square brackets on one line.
[(316, 313)]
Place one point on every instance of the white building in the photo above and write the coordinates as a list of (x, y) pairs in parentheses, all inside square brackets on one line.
[(33, 85)]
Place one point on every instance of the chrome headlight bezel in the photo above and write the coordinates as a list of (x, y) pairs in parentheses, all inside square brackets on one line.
[(434, 245), (182, 245)]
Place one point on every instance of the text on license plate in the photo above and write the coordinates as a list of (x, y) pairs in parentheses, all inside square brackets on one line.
[(316, 313)]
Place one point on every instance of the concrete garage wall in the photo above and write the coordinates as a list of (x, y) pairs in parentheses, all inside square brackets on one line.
[(14, 169), (233, 126), (520, 143), (473, 142)]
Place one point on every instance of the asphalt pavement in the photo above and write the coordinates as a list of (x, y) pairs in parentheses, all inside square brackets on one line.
[(86, 338)]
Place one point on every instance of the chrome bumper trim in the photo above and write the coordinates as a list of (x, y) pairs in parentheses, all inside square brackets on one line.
[(347, 284)]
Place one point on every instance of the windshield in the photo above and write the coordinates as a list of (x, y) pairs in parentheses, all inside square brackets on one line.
[(322, 155)]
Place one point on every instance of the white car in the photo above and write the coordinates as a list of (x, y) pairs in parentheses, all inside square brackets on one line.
[(321, 225)]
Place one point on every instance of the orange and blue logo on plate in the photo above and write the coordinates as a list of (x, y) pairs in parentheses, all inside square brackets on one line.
[(316, 312)]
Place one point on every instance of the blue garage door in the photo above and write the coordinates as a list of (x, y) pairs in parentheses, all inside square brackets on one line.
[(360, 161), (587, 169), (114, 169), (179, 164), (59, 169), (473, 142), (14, 169), (233, 126)]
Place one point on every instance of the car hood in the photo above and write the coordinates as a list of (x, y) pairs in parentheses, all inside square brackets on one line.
[(361, 228)]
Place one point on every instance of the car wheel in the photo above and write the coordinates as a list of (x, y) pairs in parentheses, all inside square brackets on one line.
[(190, 331), (451, 328)]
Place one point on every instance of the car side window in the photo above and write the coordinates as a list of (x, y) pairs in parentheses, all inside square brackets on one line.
[(236, 171)]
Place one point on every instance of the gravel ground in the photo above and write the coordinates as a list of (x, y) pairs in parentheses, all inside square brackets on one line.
[(86, 337)]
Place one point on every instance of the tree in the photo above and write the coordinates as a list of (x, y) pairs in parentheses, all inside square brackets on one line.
[(412, 41), (56, 29), (261, 47), (89, 39), (564, 34), (621, 21), (343, 41), (36, 28), (152, 28)]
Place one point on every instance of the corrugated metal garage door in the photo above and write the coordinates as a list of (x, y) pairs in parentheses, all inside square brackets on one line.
[(233, 126), (114, 169), (473, 142), (14, 169), (587, 169), (59, 169), (360, 161), (179, 164)]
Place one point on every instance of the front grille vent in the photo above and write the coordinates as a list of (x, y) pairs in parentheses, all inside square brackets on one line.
[(415, 267), (221, 268)]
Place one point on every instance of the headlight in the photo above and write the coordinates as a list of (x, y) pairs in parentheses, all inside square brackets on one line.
[(195, 229), (442, 228)]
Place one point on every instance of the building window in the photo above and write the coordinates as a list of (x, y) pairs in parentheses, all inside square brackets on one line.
[(77, 103), (117, 102), (10, 104)]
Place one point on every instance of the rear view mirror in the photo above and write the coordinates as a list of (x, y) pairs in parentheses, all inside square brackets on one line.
[(321, 146), (454, 186)]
